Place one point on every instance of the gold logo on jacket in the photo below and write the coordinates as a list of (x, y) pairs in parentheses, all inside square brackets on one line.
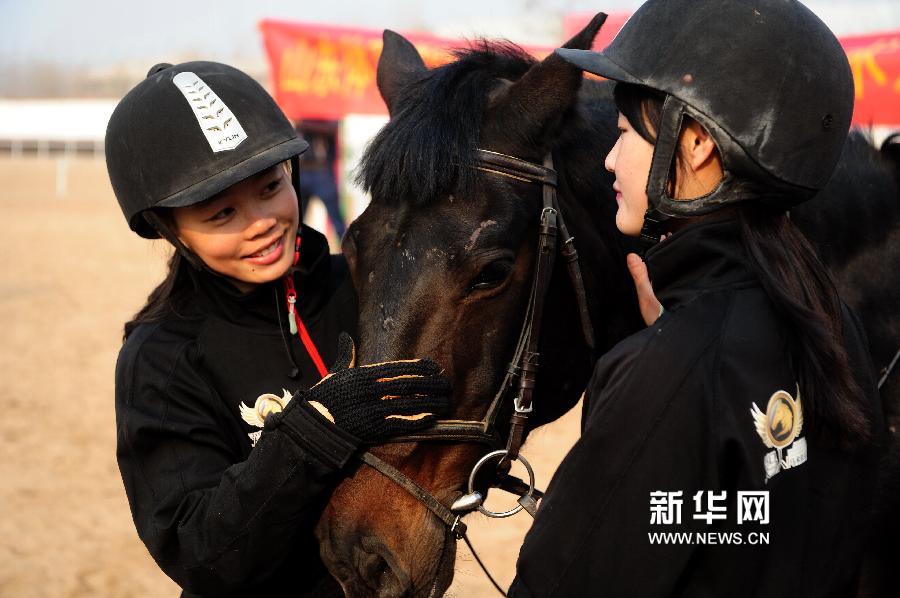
[(265, 405), (779, 428)]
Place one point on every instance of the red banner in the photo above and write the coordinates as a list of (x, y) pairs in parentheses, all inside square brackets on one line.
[(325, 72), (875, 60)]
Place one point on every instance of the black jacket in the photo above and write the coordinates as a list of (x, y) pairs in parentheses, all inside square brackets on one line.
[(220, 516), (671, 409)]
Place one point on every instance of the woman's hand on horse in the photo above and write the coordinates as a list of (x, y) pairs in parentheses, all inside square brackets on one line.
[(650, 306), (378, 401)]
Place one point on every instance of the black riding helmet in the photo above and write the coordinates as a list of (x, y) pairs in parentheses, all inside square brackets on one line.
[(766, 78), (187, 132)]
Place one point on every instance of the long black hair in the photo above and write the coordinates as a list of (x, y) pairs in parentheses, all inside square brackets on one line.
[(170, 296), (802, 292)]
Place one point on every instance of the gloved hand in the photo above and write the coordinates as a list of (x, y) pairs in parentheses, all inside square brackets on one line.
[(376, 402)]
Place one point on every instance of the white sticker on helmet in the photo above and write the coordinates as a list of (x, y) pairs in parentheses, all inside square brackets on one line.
[(221, 127)]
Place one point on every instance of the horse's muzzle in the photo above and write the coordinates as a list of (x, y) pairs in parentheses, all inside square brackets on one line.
[(377, 572), (366, 567)]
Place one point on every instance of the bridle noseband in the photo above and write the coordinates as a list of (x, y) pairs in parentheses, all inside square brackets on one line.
[(520, 376)]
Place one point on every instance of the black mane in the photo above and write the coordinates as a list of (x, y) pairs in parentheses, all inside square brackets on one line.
[(427, 149)]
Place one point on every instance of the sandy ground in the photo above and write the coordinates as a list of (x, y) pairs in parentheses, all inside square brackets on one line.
[(72, 274)]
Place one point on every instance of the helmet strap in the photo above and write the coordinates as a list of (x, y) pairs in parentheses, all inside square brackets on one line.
[(668, 132), (295, 181), (667, 135), (652, 229), (160, 226)]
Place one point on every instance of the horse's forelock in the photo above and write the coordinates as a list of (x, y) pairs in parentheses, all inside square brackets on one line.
[(428, 148)]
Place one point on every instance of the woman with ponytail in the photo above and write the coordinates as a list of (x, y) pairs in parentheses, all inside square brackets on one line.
[(730, 448)]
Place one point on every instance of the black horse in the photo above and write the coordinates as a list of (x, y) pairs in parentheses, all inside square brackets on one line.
[(854, 223), (442, 260)]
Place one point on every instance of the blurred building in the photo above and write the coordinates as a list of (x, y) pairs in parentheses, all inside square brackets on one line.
[(53, 127)]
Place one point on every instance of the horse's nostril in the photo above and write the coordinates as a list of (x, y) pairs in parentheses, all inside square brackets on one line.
[(371, 566), (376, 573)]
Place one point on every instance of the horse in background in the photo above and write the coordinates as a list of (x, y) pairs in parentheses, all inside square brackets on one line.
[(854, 223), (442, 261)]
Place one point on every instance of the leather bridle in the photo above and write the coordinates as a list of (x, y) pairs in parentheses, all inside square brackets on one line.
[(887, 371), (521, 375)]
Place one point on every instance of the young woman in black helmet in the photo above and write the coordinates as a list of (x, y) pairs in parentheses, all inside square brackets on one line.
[(231, 432), (746, 413)]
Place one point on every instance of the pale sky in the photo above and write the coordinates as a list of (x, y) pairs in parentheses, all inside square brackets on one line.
[(99, 33)]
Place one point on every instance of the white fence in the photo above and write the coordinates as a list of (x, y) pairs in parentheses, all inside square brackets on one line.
[(46, 128)]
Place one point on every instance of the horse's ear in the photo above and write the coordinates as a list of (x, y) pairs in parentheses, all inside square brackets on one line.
[(398, 64), (584, 39), (545, 92)]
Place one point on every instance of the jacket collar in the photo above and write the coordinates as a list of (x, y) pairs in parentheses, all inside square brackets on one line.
[(217, 295), (705, 255)]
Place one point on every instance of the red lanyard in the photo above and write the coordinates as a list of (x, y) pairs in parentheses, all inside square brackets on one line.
[(294, 320)]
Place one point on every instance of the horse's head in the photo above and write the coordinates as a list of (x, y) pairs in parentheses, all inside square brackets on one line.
[(442, 260)]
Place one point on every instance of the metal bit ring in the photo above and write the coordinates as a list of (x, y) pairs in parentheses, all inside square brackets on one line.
[(481, 463)]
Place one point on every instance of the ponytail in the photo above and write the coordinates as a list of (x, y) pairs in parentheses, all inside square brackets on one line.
[(804, 296), (168, 298)]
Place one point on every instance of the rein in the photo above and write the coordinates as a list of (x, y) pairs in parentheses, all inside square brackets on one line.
[(520, 378), (889, 369)]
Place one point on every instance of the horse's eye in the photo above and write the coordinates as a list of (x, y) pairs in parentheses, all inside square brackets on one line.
[(492, 275)]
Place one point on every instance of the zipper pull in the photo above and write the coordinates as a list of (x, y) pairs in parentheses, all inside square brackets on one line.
[(292, 313), (290, 293)]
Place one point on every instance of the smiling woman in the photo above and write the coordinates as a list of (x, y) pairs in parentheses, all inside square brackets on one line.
[(231, 433), (242, 232)]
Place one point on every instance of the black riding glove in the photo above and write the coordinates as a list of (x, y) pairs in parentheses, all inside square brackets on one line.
[(378, 401)]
